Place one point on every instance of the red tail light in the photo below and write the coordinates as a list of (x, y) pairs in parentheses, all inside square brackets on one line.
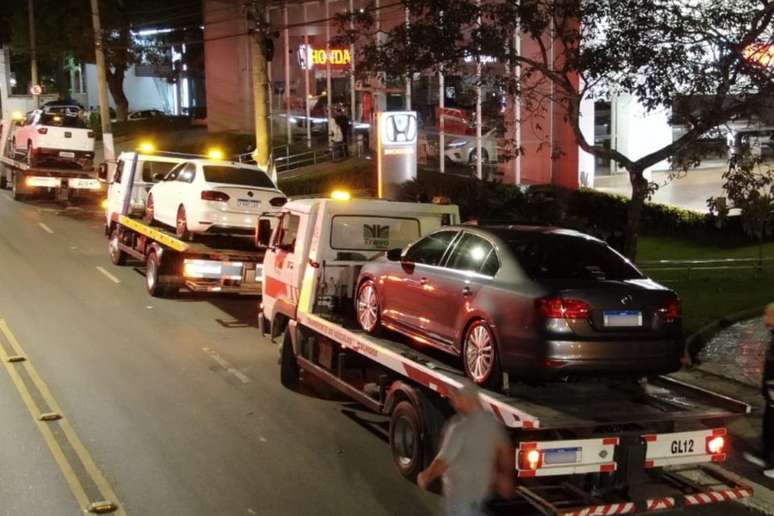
[(530, 460), (42, 130), (716, 443), (212, 195), (91, 134), (560, 308), (672, 310), (278, 202)]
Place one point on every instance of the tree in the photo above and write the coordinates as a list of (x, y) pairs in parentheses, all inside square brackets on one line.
[(749, 187), (64, 29), (658, 51)]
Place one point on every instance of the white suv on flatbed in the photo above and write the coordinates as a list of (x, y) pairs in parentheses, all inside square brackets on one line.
[(54, 137)]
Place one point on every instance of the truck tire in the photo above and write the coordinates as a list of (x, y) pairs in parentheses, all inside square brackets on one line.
[(16, 187), (152, 275), (289, 374), (117, 256), (3, 179), (406, 440)]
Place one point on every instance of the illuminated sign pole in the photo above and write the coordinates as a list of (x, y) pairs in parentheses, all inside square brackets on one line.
[(305, 66), (287, 75), (396, 157), (352, 95), (328, 91)]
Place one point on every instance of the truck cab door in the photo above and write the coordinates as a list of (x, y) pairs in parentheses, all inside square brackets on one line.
[(283, 265), (116, 190)]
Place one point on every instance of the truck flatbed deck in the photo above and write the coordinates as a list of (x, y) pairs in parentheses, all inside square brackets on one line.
[(558, 405)]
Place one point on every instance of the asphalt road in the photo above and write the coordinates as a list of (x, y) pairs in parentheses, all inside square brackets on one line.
[(170, 407)]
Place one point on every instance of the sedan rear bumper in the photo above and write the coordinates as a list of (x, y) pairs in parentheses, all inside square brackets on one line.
[(559, 358)]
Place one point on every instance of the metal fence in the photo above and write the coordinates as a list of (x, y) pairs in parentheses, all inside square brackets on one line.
[(284, 160)]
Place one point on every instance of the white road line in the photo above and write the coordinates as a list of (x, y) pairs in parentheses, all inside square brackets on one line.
[(242, 377), (108, 275), (46, 228)]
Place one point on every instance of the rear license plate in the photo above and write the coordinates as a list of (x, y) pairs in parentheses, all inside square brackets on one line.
[(67, 154), (622, 318), (68, 134), (248, 203), (91, 184), (561, 456)]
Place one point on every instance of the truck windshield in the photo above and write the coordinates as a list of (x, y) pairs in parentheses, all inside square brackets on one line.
[(547, 256), (54, 120), (151, 168), (237, 176)]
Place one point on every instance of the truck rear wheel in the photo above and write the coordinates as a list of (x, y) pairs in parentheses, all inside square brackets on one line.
[(3, 179), (16, 187), (117, 256), (288, 364), (406, 440), (153, 274)]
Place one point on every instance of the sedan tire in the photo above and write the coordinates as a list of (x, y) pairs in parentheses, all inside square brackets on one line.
[(367, 307), (181, 225), (479, 356), (149, 211)]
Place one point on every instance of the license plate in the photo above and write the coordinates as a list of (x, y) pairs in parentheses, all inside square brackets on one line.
[(67, 154), (561, 456), (248, 203), (68, 134), (682, 446), (622, 318), (92, 184)]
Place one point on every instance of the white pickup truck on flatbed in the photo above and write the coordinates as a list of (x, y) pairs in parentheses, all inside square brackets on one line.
[(28, 179), (584, 448)]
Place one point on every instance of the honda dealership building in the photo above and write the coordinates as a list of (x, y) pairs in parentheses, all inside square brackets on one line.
[(312, 80)]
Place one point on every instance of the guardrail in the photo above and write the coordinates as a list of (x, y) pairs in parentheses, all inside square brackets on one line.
[(285, 162), (717, 264)]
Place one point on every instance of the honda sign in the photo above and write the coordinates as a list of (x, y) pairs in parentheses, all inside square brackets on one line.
[(397, 151)]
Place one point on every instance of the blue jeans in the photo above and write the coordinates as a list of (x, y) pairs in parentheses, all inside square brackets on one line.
[(464, 509)]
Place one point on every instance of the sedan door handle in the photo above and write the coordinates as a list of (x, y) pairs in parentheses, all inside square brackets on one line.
[(466, 291)]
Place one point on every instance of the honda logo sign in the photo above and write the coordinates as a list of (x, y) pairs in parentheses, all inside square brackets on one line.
[(399, 128)]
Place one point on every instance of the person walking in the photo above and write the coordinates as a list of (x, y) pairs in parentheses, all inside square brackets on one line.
[(766, 461), (475, 456)]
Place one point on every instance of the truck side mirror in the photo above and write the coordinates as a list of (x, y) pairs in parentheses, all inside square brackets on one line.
[(394, 255), (263, 233), (102, 172)]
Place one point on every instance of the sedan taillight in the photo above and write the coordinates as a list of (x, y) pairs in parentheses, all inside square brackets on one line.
[(672, 310), (42, 130), (278, 202), (212, 195), (561, 308)]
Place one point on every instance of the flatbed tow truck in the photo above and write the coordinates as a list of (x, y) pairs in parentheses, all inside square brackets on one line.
[(215, 264), (594, 447), (26, 181)]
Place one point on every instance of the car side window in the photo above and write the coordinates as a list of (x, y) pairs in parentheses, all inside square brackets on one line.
[(430, 249), (491, 265), (172, 175), (187, 174), (470, 254), (287, 231)]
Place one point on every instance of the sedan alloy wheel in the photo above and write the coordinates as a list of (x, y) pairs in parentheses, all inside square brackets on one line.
[(479, 353), (368, 307)]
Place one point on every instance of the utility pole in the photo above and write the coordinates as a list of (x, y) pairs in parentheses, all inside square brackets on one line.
[(33, 55), (262, 50), (104, 108)]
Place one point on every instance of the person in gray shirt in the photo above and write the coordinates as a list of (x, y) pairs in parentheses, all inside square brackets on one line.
[(476, 456)]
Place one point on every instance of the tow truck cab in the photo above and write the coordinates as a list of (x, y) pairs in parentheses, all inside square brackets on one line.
[(352, 232)]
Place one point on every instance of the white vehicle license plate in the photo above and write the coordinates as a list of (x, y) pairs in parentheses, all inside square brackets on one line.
[(248, 203), (622, 318), (92, 184), (66, 154)]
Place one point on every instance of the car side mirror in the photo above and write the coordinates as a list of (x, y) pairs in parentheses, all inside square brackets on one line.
[(394, 255), (158, 176), (102, 172), (262, 233)]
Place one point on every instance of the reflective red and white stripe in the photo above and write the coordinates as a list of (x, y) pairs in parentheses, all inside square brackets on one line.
[(602, 510), (725, 495), (660, 504)]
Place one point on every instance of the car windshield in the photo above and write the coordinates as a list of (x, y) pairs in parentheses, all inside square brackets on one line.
[(551, 256), (151, 168), (55, 120), (237, 176)]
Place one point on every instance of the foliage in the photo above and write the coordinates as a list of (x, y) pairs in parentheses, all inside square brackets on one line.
[(656, 51)]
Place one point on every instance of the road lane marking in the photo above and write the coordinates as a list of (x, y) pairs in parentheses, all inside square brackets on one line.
[(108, 275), (46, 228), (222, 362), (75, 484)]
